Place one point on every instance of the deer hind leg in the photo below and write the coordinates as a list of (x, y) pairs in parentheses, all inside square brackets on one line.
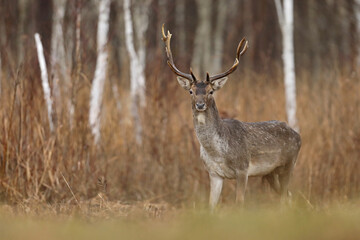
[(241, 183), (216, 183), (284, 179), (273, 180)]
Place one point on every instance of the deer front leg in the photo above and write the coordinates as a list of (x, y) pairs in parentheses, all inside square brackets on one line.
[(241, 182), (216, 183)]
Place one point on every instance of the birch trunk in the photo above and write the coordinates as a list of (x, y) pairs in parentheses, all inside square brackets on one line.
[(58, 64), (286, 19), (100, 70), (219, 37), (141, 22), (44, 79), (202, 47), (137, 60)]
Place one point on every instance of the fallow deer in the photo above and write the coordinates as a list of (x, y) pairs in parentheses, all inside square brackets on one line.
[(233, 149)]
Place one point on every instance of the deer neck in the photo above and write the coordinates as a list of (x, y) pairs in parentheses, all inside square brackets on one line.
[(207, 124)]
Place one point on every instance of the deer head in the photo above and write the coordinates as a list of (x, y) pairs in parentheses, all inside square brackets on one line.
[(201, 91)]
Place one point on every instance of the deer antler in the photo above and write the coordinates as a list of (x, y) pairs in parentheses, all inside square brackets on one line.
[(243, 44), (170, 61)]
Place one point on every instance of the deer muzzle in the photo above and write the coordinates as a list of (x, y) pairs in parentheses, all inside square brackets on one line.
[(200, 106)]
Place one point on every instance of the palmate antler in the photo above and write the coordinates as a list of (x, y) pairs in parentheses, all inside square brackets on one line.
[(241, 49)]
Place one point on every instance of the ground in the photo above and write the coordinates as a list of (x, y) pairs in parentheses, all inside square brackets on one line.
[(99, 218)]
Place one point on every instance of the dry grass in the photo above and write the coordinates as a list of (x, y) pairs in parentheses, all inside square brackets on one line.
[(166, 166)]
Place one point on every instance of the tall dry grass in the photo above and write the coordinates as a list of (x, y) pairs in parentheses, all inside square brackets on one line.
[(35, 164)]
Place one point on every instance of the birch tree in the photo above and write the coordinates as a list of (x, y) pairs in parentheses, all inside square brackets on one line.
[(44, 79), (286, 18), (137, 58), (97, 87), (58, 64), (202, 45), (219, 36)]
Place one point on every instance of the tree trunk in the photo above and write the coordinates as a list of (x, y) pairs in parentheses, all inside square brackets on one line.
[(44, 79), (58, 64), (286, 19), (357, 13), (202, 46), (162, 12), (0, 75), (141, 23), (219, 37), (180, 25), (100, 70), (71, 83), (22, 15), (137, 60)]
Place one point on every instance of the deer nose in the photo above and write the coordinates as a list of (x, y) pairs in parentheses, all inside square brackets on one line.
[(200, 105)]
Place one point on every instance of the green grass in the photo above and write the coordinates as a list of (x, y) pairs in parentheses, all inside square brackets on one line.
[(336, 223)]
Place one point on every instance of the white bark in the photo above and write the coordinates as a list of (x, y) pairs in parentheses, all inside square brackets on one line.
[(202, 47), (280, 14), (100, 70), (219, 37), (286, 19), (137, 59), (58, 64), (141, 21), (44, 79)]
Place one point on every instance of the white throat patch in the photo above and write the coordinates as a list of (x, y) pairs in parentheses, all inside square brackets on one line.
[(201, 118)]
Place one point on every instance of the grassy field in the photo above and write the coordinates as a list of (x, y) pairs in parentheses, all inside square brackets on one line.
[(49, 184), (142, 222), (61, 184)]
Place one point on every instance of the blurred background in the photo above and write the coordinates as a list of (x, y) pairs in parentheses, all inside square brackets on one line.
[(145, 147)]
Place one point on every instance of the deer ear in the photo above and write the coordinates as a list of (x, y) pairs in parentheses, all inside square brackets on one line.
[(185, 83), (219, 83)]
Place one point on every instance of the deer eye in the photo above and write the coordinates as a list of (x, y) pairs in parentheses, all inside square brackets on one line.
[(211, 92), (191, 92)]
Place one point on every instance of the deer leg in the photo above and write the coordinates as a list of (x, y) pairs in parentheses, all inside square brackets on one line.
[(284, 183), (273, 180), (241, 182), (216, 183)]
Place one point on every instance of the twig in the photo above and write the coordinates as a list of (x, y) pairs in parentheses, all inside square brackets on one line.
[(7, 186), (70, 190), (306, 200)]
